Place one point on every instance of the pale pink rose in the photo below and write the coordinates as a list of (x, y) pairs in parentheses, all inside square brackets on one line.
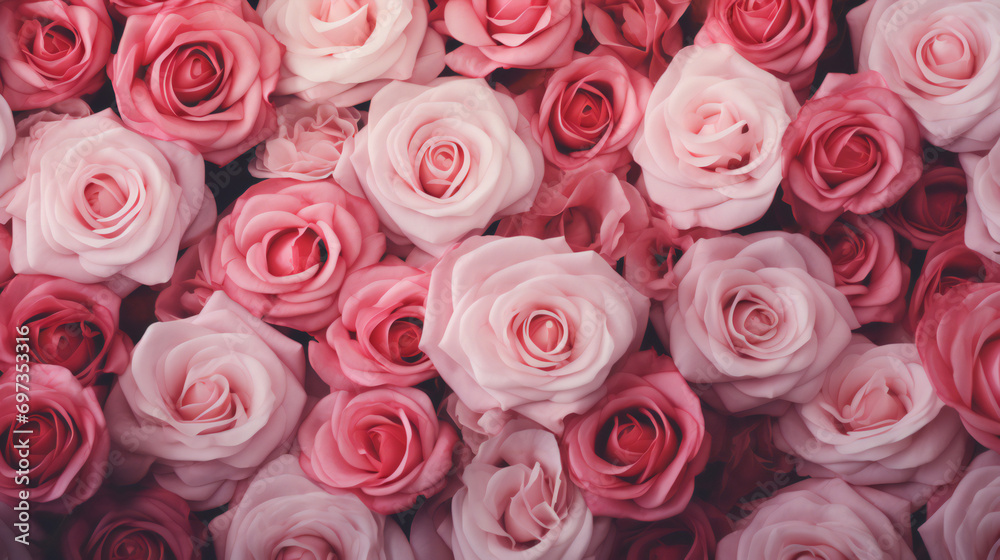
[(877, 420), (518, 34), (127, 8), (99, 202), (709, 144), (343, 51), (285, 247), (964, 526), (756, 320), (982, 226), (309, 141), (199, 76), (375, 340), (206, 401), (285, 516), (441, 162), (527, 325), (51, 50), (644, 33), (819, 518), (941, 57), (784, 37), (385, 445)]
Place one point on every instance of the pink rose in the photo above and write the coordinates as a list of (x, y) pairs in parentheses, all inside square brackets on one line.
[(940, 58), (709, 143), (932, 208), (854, 147), (982, 229), (520, 34), (148, 523), (128, 8), (375, 340), (867, 267), (342, 51), (636, 452), (527, 325), (784, 37), (285, 247), (823, 519), (877, 420), (206, 401), (591, 208), (51, 50), (644, 33), (188, 290), (757, 319), (476, 427), (385, 445), (199, 76), (587, 112), (68, 444), (312, 522), (963, 527), (71, 325), (690, 535), (441, 162), (309, 141), (651, 255), (99, 202)]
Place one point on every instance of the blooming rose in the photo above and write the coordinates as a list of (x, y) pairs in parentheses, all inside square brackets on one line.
[(385, 445), (940, 57), (959, 345), (309, 141), (709, 141), (100, 202), (70, 325), (344, 51), (982, 229), (441, 162), (199, 76), (690, 535), (67, 445), (932, 208), (51, 50), (206, 401), (587, 111), (784, 37), (644, 33), (877, 420), (375, 340), (757, 318), (521, 34), (823, 519), (867, 267), (854, 147), (964, 527), (636, 452), (527, 325), (148, 523), (310, 522)]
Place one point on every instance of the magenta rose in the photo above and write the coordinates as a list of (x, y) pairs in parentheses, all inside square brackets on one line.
[(199, 76), (982, 228), (757, 319), (690, 535), (784, 37), (206, 401), (51, 50), (385, 445), (587, 112), (823, 519), (854, 147), (527, 325), (964, 525), (636, 452), (147, 523), (375, 340), (933, 207), (867, 267), (285, 247), (709, 145), (645, 33), (71, 325), (63, 459)]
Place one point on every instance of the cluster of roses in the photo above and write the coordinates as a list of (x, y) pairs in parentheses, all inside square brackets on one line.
[(517, 282)]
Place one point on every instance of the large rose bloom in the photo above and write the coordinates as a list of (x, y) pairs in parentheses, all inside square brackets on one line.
[(965, 526)]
